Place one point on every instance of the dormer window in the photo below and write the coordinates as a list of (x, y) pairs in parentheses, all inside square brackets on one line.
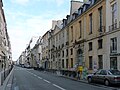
[(85, 6), (74, 15), (68, 18), (64, 22), (92, 2), (80, 10)]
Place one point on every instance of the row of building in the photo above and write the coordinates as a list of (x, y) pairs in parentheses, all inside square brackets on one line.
[(88, 38), (5, 46)]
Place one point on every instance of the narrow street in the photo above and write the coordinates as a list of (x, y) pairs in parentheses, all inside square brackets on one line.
[(29, 79)]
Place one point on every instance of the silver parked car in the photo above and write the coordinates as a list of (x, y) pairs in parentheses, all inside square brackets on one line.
[(105, 76)]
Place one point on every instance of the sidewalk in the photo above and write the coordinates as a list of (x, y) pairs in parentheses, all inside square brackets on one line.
[(8, 82)]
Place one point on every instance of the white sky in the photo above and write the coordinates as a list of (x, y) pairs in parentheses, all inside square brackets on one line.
[(28, 18)]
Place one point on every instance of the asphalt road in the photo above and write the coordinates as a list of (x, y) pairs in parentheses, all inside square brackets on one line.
[(29, 79)]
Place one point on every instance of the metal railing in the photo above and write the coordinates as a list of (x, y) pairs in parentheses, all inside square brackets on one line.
[(113, 27), (101, 29)]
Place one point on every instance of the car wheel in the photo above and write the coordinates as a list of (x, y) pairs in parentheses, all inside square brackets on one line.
[(89, 80), (107, 83)]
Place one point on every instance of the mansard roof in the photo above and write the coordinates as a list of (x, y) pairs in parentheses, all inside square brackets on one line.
[(81, 10)]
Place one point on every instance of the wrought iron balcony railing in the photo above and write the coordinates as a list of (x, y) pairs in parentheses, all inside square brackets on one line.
[(101, 29), (113, 26)]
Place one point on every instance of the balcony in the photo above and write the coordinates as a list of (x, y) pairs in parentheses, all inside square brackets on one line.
[(101, 29), (62, 45), (113, 27), (67, 43)]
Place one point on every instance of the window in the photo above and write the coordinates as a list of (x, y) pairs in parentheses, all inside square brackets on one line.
[(100, 61), (90, 62), (66, 63), (66, 52), (100, 42), (80, 23), (90, 16), (103, 72), (113, 47), (71, 33), (100, 19), (62, 53), (114, 13), (56, 38), (56, 55), (63, 63), (55, 64), (71, 62), (62, 45), (90, 46), (59, 36), (51, 56), (59, 46), (113, 63), (97, 72), (63, 34), (71, 51)]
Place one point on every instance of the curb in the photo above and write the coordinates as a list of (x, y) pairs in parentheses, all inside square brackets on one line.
[(8, 82)]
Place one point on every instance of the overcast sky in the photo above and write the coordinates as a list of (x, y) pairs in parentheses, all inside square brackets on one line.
[(28, 18)]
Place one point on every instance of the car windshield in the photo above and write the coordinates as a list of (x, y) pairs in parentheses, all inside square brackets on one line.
[(115, 72)]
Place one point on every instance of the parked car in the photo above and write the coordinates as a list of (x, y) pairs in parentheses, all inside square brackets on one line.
[(107, 77), (27, 66)]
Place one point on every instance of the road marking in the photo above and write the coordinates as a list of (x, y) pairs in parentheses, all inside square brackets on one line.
[(16, 88), (9, 85), (58, 87), (35, 75), (39, 77), (46, 81), (20, 69), (30, 73)]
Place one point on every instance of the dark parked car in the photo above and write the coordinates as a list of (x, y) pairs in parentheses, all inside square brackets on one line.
[(105, 76)]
